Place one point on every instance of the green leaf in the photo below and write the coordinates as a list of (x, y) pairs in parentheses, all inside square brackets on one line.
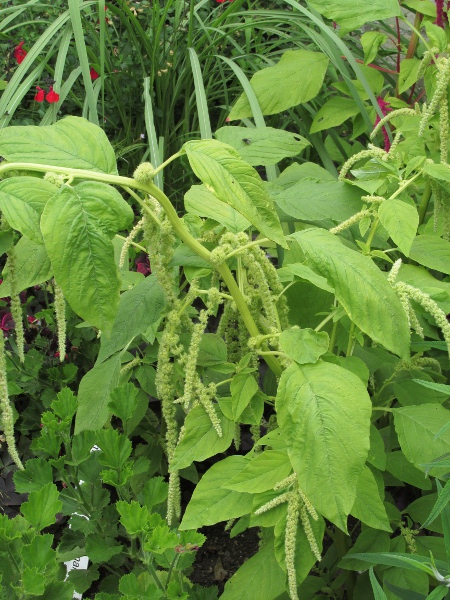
[(35, 476), (304, 557), (234, 182), (261, 473), (360, 287), (376, 587), (198, 200), (368, 506), (442, 388), (425, 7), (133, 517), (32, 266), (100, 549), (262, 146), (139, 308), (401, 221), (304, 345), (333, 113), (39, 554), (295, 79), (442, 502), (411, 562), (77, 224), (42, 506), (142, 586), (351, 14), (72, 142), (124, 401), (416, 427), (65, 404), (243, 387), (324, 412), (212, 350), (431, 251), (161, 539), (94, 394), (33, 582), (154, 492), (200, 440), (377, 454), (259, 578), (436, 35), (22, 200), (115, 448), (371, 42), (400, 467), (310, 200), (306, 274), (409, 71), (410, 391), (210, 503)]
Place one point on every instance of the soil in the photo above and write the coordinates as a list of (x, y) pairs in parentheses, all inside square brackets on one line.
[(220, 556)]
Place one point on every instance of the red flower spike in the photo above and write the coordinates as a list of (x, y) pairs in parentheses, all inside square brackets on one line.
[(52, 96), (385, 108), (19, 53), (40, 95), (93, 73), (440, 13)]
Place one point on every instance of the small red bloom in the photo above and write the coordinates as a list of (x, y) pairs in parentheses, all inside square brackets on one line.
[(143, 265), (19, 53), (385, 108), (52, 96), (6, 322), (40, 95), (93, 73)]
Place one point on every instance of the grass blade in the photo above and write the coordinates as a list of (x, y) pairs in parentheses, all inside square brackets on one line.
[(155, 155), (200, 95)]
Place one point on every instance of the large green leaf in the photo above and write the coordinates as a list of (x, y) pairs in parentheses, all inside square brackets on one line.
[(210, 503), (22, 200), (32, 266), (233, 181), (360, 287), (262, 145), (333, 113), (138, 309), (416, 427), (200, 440), (259, 578), (304, 345), (77, 224), (295, 79), (310, 200), (94, 394), (261, 473), (368, 506), (72, 142), (351, 14), (401, 221), (431, 251), (324, 412), (198, 200)]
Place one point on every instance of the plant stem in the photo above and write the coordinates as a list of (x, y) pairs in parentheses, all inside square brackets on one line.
[(132, 243), (423, 206), (242, 248), (325, 321)]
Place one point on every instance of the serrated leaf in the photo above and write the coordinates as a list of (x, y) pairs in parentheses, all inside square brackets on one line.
[(295, 79), (133, 517), (94, 394), (22, 200), (262, 145), (124, 401), (115, 448), (139, 308), (360, 287), (198, 200), (233, 181), (32, 266), (210, 503), (304, 345), (401, 221), (39, 553), (324, 413), (161, 539), (72, 142), (65, 404), (42, 506), (36, 475), (200, 439), (100, 549), (77, 224), (261, 473), (33, 582), (368, 506), (141, 586)]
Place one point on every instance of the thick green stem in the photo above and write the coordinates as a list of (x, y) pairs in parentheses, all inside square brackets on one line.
[(423, 206)]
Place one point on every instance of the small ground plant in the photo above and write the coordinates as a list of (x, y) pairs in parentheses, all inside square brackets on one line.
[(278, 360)]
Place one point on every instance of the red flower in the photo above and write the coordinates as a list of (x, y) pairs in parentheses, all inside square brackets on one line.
[(93, 73), (385, 108), (19, 53), (440, 16), (52, 96), (40, 95), (143, 265), (6, 322), (222, 1)]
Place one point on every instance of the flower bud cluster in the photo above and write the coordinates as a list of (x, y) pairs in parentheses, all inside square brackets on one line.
[(372, 152), (442, 81), (126, 245), (144, 173), (60, 314), (16, 306), (7, 417), (55, 178)]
